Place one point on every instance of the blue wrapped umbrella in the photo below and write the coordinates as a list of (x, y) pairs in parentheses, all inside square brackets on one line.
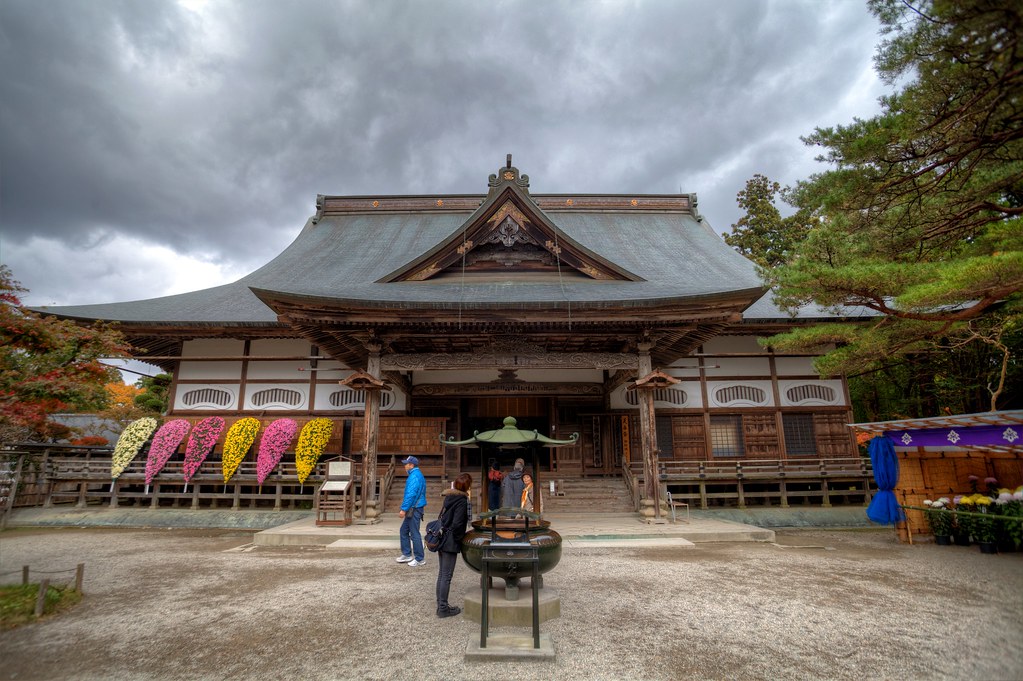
[(884, 507)]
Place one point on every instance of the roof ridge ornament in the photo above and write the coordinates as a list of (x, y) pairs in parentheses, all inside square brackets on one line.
[(508, 175)]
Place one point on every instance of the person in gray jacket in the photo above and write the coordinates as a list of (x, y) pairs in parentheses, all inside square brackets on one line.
[(511, 486)]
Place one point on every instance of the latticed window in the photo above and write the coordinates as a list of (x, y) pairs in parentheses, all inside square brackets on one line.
[(799, 435), (673, 396), (207, 398), (739, 395), (356, 399), (277, 397), (810, 392), (726, 435)]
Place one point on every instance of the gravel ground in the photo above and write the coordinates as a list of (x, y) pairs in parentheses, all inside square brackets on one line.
[(206, 604)]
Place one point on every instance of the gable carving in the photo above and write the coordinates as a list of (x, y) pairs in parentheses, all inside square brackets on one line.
[(509, 233)]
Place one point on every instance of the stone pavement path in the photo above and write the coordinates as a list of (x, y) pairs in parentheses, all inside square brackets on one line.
[(209, 604)]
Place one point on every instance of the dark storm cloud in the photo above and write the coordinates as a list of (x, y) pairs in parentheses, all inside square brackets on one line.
[(209, 128)]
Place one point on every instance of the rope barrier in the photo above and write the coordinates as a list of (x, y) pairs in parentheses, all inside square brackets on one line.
[(461, 292), (992, 516), (79, 571)]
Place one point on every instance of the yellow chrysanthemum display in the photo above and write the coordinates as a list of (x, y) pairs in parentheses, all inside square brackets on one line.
[(311, 443), (131, 441), (239, 440)]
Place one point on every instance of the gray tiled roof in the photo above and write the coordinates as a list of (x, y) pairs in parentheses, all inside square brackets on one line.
[(343, 256)]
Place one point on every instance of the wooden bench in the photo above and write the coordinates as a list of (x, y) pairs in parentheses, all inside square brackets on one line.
[(335, 500)]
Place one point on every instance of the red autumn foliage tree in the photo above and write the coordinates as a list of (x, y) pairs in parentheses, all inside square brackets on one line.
[(48, 365)]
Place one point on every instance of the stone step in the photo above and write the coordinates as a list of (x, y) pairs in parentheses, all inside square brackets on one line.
[(610, 495)]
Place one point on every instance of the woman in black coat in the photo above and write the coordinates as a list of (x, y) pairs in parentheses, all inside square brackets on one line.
[(454, 517)]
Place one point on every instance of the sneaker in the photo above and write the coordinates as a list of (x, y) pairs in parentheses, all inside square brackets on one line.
[(417, 563), (403, 559), (449, 611)]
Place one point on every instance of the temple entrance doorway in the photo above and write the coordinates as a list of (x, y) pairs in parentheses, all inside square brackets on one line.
[(488, 413)]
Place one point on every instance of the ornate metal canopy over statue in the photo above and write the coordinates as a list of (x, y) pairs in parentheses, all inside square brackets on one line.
[(511, 436), (512, 523)]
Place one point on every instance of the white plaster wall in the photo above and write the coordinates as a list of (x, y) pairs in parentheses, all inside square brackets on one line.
[(211, 347), (733, 344), (795, 366), (210, 371), (738, 366), (279, 347)]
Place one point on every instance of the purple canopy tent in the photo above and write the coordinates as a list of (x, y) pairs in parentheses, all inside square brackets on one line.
[(939, 453)]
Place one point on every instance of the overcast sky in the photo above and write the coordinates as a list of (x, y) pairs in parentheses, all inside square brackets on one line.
[(150, 147)]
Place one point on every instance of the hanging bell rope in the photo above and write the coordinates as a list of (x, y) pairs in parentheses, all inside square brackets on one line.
[(561, 283)]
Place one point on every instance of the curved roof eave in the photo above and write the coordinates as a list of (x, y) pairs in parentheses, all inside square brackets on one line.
[(526, 302)]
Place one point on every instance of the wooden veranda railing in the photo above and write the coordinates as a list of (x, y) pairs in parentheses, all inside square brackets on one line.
[(782, 482), (47, 475)]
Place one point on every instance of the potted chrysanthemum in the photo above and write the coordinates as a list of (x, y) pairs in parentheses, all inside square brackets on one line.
[(1010, 503), (984, 527), (963, 520), (939, 517)]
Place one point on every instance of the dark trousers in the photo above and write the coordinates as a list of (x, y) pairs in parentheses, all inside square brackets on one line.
[(447, 568), (494, 500)]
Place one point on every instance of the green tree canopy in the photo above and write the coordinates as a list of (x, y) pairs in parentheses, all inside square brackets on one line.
[(762, 234), (920, 214), (155, 393), (48, 365)]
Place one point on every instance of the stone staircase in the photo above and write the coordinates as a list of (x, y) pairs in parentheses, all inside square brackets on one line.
[(574, 495), (587, 495)]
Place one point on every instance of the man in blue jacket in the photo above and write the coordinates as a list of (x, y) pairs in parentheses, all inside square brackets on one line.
[(413, 505)]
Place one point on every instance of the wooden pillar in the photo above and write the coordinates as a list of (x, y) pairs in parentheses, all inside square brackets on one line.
[(13, 491), (48, 483), (371, 425), (648, 432)]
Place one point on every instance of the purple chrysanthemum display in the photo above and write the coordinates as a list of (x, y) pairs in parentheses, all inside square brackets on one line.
[(275, 441)]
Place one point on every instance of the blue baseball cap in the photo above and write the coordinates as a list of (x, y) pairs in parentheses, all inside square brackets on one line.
[(412, 460)]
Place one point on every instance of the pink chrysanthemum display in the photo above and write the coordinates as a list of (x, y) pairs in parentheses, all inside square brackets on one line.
[(275, 441), (200, 443), (165, 443)]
